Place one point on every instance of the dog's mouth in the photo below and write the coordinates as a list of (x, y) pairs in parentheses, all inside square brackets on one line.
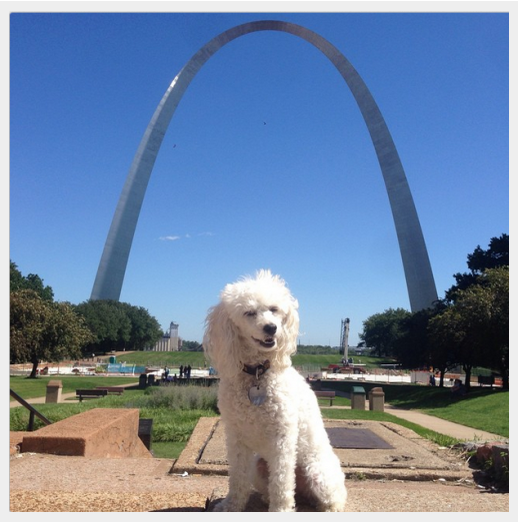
[(268, 342)]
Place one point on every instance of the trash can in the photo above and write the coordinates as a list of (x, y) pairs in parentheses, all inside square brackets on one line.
[(54, 389), (145, 430), (358, 398), (151, 379), (377, 399)]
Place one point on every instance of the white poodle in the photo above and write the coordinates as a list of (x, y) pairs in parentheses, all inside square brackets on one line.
[(276, 439)]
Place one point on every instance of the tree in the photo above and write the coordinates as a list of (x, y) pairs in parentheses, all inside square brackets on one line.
[(31, 281), (41, 330), (411, 347), (497, 255), (145, 329), (474, 331), (485, 310), (118, 325), (191, 345), (382, 330), (446, 339)]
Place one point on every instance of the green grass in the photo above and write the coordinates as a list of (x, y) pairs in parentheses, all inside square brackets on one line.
[(197, 359), (174, 418), (175, 411), (31, 388), (168, 450), (337, 401), (482, 408), (486, 411)]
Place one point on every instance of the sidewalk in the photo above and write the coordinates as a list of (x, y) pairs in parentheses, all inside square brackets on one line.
[(442, 426)]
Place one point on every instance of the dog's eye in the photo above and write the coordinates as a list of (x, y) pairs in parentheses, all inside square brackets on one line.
[(250, 314), (274, 309)]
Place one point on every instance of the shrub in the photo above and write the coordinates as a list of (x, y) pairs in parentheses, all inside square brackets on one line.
[(183, 397)]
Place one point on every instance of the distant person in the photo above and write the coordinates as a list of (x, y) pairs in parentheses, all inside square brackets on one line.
[(432, 379), (181, 371), (458, 389)]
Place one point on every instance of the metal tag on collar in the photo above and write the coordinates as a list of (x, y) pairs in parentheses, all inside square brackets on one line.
[(257, 395)]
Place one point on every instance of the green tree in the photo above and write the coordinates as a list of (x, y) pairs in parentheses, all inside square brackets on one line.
[(118, 325), (474, 331), (31, 281), (191, 345), (383, 330), (145, 329), (41, 330), (107, 322), (496, 255), (485, 310), (411, 347), (446, 338)]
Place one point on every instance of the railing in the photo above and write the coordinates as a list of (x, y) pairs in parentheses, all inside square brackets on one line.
[(32, 410)]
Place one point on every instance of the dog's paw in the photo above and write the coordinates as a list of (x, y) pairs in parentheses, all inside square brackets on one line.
[(281, 509), (332, 509), (282, 506), (227, 505)]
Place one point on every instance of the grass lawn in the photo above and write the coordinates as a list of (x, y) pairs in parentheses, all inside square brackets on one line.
[(197, 359), (482, 408), (483, 411), (175, 412), (31, 388)]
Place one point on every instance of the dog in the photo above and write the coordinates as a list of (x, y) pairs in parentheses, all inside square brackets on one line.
[(276, 441)]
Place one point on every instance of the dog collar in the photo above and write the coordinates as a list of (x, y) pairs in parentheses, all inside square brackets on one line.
[(258, 370)]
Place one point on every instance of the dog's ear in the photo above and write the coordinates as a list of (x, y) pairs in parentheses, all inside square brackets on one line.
[(220, 339), (291, 324)]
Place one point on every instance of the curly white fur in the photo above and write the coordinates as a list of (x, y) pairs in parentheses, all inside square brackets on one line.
[(280, 444)]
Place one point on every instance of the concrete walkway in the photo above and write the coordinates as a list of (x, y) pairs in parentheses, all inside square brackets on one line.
[(441, 426)]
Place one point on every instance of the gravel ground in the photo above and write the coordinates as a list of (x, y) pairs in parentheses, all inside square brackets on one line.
[(46, 483)]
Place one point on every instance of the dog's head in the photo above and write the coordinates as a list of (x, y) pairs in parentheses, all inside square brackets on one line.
[(257, 319)]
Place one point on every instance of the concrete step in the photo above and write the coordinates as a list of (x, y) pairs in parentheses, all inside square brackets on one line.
[(96, 433)]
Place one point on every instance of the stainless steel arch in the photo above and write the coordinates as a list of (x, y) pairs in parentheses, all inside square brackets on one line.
[(418, 273)]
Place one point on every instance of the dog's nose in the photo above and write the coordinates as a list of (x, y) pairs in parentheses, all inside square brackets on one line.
[(270, 329)]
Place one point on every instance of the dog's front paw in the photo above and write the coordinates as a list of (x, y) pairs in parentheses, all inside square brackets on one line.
[(227, 505), (281, 509)]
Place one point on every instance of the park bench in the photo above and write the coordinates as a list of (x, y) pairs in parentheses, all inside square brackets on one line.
[(117, 390), (326, 395), (90, 394)]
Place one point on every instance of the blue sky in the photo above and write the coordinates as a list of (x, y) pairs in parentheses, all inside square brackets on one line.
[(267, 162)]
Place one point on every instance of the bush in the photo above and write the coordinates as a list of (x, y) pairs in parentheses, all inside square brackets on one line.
[(182, 398)]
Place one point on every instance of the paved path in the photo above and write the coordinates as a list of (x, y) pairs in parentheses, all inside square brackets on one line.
[(441, 426)]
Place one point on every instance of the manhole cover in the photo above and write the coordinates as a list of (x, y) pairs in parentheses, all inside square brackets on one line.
[(355, 438)]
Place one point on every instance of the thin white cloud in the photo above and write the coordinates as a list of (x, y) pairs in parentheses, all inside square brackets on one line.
[(169, 238), (173, 238)]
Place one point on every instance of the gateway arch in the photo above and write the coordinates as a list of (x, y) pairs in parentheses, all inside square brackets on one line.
[(418, 272)]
